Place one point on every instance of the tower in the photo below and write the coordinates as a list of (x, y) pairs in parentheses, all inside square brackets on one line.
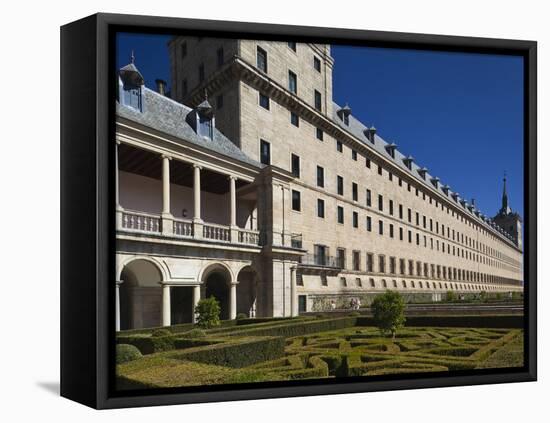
[(507, 219)]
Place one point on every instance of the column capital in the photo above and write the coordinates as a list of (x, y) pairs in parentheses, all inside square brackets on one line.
[(117, 141), (118, 283), (232, 177), (197, 166), (166, 156), (234, 283)]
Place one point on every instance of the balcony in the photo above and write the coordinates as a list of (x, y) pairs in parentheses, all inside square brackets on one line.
[(148, 223), (321, 261)]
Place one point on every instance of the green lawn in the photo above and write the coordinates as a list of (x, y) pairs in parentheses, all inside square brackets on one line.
[(349, 351)]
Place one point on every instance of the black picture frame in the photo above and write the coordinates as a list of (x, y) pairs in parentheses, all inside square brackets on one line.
[(87, 193)]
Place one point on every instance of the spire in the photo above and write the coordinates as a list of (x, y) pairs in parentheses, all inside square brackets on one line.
[(505, 209), (132, 57)]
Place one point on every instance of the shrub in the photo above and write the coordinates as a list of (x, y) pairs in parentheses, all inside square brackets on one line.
[(195, 333), (450, 296), (354, 314), (161, 332), (388, 311), (241, 316), (126, 352), (208, 313)]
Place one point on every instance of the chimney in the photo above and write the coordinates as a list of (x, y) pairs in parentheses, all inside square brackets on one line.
[(161, 86)]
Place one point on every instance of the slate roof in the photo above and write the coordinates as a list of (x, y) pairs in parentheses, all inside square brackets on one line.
[(356, 128), (168, 116)]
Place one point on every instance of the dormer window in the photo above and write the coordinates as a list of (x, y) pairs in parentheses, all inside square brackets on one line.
[(390, 148), (408, 162), (435, 182), (130, 86), (344, 113), (369, 133), (446, 189), (422, 172), (205, 126), (201, 119)]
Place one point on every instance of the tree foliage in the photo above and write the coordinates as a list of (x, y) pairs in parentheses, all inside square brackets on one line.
[(388, 311), (208, 313)]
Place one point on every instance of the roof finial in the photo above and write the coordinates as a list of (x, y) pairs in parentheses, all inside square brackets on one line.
[(132, 57)]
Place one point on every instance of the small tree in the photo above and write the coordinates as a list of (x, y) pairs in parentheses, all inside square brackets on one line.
[(208, 313), (388, 311)]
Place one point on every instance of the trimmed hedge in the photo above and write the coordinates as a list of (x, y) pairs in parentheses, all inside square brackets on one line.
[(505, 321), (238, 353), (149, 344), (299, 328), (126, 352)]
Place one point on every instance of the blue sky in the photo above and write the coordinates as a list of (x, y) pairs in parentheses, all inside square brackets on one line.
[(458, 114)]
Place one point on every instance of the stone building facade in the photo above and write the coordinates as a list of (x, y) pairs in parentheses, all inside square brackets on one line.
[(252, 185)]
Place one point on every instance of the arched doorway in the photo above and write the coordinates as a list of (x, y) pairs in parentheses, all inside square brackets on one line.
[(217, 282), (247, 291), (140, 295)]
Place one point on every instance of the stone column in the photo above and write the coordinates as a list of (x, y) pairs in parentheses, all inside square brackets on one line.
[(167, 218), (166, 305), (197, 220), (233, 301), (196, 299), (117, 305), (233, 209), (293, 297), (117, 190)]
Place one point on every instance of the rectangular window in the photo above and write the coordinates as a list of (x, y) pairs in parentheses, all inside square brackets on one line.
[(341, 255), (382, 264), (292, 45), (402, 266), (379, 170), (369, 224), (369, 198), (400, 234), (292, 82), (294, 119), (317, 63), (409, 215), (391, 230), (354, 155), (340, 185), (201, 72), (264, 101), (261, 59), (417, 219), (318, 101), (319, 134), (400, 211), (391, 207), (320, 177), (295, 165), (367, 162), (410, 236), (339, 146), (370, 262), (219, 54), (340, 213), (380, 227), (320, 208), (417, 239), (265, 152), (411, 267), (355, 219), (380, 202), (296, 201), (392, 265), (355, 195)]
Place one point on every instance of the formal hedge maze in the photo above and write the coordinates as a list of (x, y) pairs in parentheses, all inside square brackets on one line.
[(360, 351)]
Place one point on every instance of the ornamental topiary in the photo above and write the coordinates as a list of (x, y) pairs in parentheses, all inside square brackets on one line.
[(388, 311), (126, 352), (208, 313)]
